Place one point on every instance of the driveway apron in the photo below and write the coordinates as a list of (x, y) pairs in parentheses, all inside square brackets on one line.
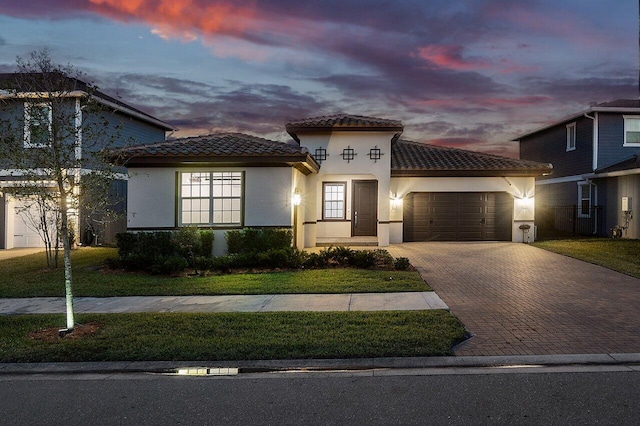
[(516, 299)]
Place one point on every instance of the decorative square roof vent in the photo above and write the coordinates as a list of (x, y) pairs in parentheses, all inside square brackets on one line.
[(348, 154)]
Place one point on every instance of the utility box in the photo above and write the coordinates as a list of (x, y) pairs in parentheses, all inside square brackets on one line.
[(626, 204)]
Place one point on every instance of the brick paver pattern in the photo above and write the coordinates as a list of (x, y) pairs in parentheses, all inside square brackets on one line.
[(516, 299)]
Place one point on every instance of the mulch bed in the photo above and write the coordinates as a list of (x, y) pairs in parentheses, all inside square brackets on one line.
[(79, 331)]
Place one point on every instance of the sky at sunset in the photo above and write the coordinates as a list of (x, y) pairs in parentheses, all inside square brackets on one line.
[(471, 74)]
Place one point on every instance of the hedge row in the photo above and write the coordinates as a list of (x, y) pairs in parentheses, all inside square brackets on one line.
[(172, 252)]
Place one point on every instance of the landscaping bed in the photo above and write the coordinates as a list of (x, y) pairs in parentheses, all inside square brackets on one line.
[(231, 336)]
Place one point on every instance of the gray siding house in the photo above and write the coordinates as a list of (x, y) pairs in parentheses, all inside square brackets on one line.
[(594, 187), (122, 125)]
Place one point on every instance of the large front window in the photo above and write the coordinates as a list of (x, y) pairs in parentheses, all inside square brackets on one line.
[(333, 201), (632, 130), (37, 125), (211, 198)]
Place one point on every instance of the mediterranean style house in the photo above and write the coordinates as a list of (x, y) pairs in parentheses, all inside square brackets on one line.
[(35, 113), (595, 182), (343, 179)]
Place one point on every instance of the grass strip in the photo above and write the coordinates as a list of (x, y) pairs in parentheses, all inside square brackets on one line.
[(28, 276), (621, 255), (234, 336)]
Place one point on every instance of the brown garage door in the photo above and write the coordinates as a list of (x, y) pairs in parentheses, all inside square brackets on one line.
[(457, 216)]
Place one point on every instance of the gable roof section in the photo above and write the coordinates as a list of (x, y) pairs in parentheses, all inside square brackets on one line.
[(231, 149), (631, 106), (628, 164), (342, 122), (414, 159), (76, 88)]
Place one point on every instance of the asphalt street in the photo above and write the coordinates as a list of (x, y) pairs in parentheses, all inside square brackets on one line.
[(567, 395)]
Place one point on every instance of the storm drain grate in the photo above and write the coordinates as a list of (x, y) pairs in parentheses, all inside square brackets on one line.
[(206, 371)]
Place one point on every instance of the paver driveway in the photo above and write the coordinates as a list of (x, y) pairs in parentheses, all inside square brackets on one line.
[(520, 300)]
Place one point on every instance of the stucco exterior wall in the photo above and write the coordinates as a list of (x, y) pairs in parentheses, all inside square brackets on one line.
[(521, 188), (337, 169), (152, 200)]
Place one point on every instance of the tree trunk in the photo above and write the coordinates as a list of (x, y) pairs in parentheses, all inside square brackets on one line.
[(64, 231)]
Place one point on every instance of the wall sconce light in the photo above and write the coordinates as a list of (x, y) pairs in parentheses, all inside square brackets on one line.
[(296, 198), (527, 202), (395, 202)]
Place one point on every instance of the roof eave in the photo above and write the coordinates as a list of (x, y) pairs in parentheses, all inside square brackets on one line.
[(469, 173), (293, 131), (305, 163), (577, 115), (81, 94)]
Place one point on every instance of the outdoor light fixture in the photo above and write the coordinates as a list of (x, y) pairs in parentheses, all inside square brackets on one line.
[(296, 198), (395, 202), (527, 202)]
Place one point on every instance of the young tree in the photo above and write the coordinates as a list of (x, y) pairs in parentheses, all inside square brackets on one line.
[(55, 137)]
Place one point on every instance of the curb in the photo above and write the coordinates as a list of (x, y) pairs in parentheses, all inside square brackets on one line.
[(256, 366)]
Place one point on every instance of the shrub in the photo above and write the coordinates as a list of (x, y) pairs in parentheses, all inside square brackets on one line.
[(222, 263), (172, 265), (341, 255), (364, 259), (127, 243), (187, 242), (383, 259), (158, 252), (315, 260), (206, 242), (402, 264), (254, 240)]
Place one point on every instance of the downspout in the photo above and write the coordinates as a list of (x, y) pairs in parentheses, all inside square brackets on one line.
[(595, 167), (595, 139)]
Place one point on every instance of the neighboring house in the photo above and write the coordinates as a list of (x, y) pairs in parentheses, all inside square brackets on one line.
[(126, 123), (595, 182), (345, 180)]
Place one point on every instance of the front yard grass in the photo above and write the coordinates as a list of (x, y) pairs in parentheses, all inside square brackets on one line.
[(27, 276), (621, 255), (234, 336)]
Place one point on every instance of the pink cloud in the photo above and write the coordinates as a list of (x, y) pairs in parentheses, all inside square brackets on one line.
[(449, 57), (176, 17)]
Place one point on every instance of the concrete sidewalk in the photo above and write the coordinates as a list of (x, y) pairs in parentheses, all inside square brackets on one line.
[(402, 301)]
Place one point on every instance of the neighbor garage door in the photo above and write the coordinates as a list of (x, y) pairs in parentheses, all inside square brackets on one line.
[(457, 216), (26, 224)]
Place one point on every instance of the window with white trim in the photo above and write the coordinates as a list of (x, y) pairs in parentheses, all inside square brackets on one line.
[(571, 137), (333, 200), (211, 198), (586, 193), (37, 125), (631, 130)]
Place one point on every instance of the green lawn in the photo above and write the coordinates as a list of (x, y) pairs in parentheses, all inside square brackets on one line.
[(235, 336), (618, 254), (27, 276)]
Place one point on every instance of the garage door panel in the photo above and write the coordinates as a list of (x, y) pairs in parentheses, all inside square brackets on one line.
[(457, 216)]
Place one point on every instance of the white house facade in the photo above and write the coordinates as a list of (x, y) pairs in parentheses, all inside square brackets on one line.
[(346, 180)]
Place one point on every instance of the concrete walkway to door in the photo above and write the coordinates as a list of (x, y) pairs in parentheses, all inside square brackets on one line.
[(516, 299)]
